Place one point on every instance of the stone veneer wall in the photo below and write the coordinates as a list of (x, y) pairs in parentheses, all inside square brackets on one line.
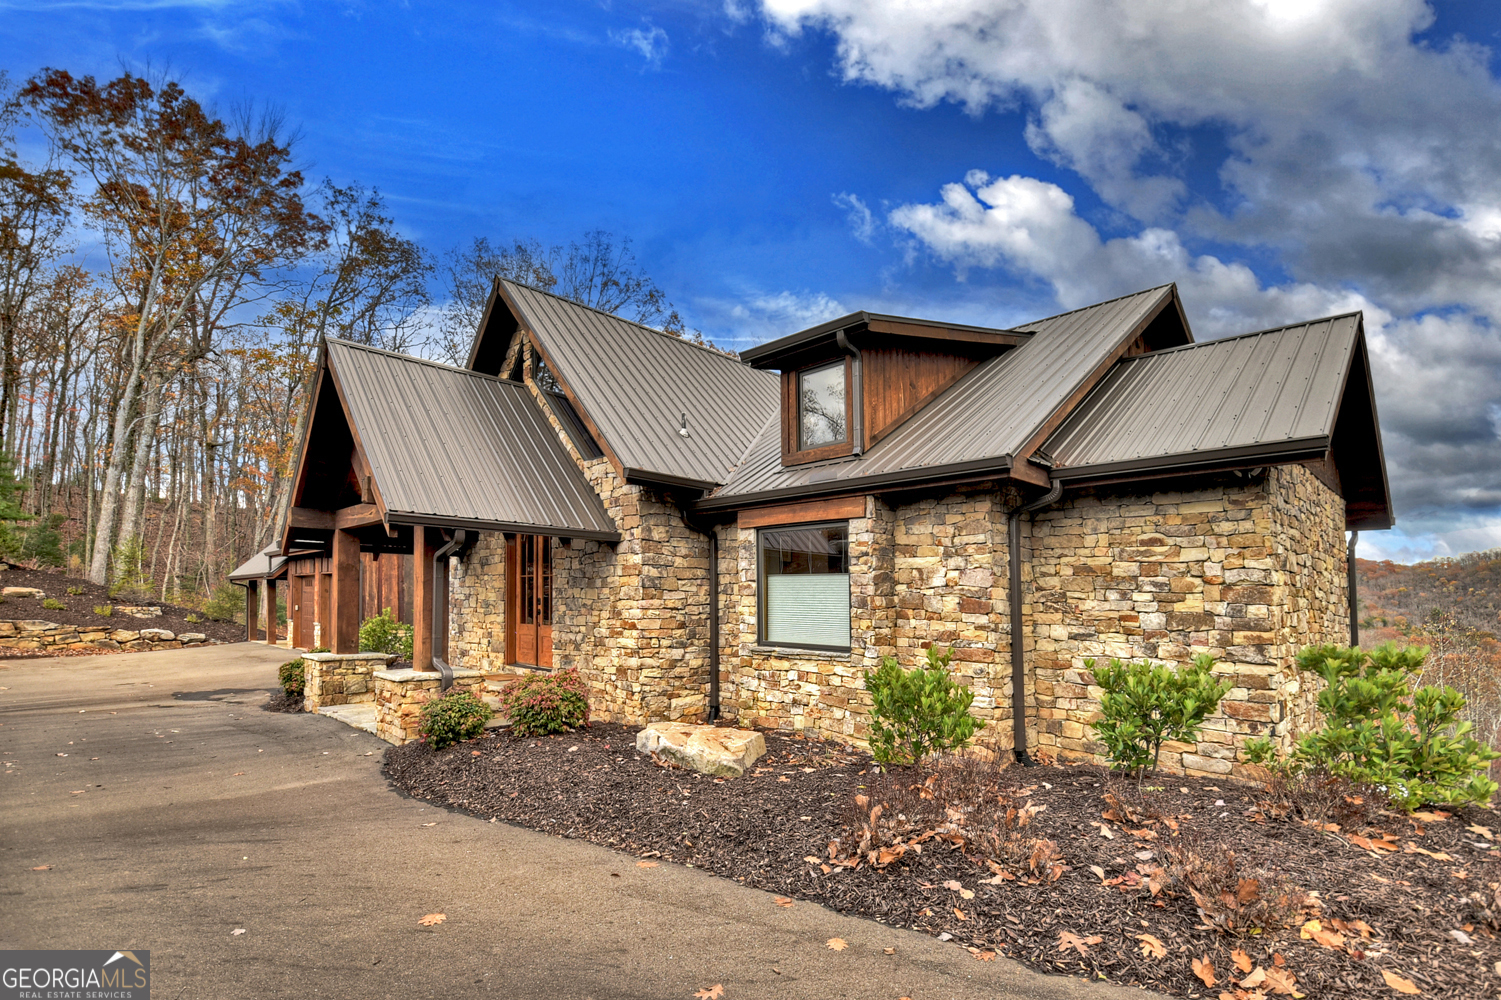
[(339, 678), (630, 616), (400, 696), (928, 572), (30, 634), (1247, 571)]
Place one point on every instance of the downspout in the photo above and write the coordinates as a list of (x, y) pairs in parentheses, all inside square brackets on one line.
[(440, 600), (707, 528), (857, 393), (1354, 596), (1014, 594)]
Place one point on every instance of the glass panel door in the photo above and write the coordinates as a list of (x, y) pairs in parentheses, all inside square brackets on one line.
[(530, 605)]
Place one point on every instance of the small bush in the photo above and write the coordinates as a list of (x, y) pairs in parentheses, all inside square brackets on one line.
[(292, 676), (918, 712), (1230, 898), (456, 716), (384, 634), (1379, 730), (74, 591), (53, 604), (227, 604), (193, 617), (542, 704), (104, 610), (1146, 704)]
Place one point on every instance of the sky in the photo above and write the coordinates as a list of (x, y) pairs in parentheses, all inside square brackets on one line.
[(781, 162)]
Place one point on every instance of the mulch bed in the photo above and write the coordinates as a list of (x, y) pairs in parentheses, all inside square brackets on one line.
[(78, 609), (1068, 869)]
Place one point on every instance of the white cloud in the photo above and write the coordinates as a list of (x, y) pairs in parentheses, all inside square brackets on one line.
[(761, 316), (862, 222), (651, 42)]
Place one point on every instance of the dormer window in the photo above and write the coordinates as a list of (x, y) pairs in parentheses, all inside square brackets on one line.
[(822, 411)]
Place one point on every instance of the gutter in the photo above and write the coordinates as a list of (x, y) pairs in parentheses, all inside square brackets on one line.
[(440, 600), (857, 393), (1014, 595)]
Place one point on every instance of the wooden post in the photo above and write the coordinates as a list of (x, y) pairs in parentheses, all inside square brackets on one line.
[(252, 612), (424, 544), (344, 631), (270, 611)]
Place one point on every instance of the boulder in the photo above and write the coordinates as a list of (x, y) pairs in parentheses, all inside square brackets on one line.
[(709, 749), (157, 635), (21, 592), (193, 637), (135, 611), (124, 635)]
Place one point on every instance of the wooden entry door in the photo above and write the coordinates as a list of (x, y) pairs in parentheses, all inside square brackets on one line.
[(529, 600)]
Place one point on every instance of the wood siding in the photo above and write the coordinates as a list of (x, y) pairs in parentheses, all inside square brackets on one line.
[(899, 382), (385, 582)]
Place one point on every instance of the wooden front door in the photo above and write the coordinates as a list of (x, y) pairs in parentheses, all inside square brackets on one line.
[(529, 600)]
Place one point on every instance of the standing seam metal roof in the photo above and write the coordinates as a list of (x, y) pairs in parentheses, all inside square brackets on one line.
[(986, 416), (634, 383), (1261, 390), (449, 443)]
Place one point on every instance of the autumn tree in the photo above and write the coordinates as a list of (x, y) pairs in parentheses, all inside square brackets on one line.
[(182, 202)]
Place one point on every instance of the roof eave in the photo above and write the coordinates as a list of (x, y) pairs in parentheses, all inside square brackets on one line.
[(482, 524), (935, 476), (1276, 453)]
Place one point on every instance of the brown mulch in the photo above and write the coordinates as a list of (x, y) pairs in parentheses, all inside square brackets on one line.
[(78, 609), (1191, 869)]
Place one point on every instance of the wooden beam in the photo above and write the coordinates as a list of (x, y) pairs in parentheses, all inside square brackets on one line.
[(361, 515), (344, 631), (307, 517), (252, 612), (1029, 473), (270, 611), (424, 544), (839, 509)]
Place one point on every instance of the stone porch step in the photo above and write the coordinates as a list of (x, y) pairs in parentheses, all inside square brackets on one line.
[(360, 715)]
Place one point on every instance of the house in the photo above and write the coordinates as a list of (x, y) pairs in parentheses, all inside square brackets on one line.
[(710, 537)]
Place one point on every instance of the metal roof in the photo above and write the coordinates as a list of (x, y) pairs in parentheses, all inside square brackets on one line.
[(980, 422), (450, 446), (634, 384), (1261, 393), (264, 564), (766, 355)]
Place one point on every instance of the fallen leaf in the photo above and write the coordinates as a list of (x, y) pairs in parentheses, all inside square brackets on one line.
[(959, 913), (1255, 979), (429, 824), (1399, 984), (1204, 969), (237, 774), (712, 993), (646, 864), (837, 944), (952, 886), (1314, 931), (1483, 831), (888, 951), (782, 901), (966, 894), (1098, 871), (983, 956), (1241, 959), (42, 868), (1068, 939), (1282, 981), (812, 860), (433, 919), (237, 932), (1151, 946), (1435, 855)]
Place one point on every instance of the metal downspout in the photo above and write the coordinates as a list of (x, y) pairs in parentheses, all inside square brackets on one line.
[(857, 393), (439, 600), (1354, 595), (1014, 595)]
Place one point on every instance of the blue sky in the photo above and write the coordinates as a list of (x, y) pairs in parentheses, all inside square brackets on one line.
[(782, 161)]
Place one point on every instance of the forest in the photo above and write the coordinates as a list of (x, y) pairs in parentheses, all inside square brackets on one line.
[(166, 278)]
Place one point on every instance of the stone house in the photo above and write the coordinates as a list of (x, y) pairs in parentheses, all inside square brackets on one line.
[(710, 537)]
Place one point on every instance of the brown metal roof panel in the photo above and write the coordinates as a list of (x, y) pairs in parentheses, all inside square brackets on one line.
[(448, 443), (635, 383)]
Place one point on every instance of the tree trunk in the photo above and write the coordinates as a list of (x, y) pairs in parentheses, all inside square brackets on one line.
[(109, 498), (130, 518)]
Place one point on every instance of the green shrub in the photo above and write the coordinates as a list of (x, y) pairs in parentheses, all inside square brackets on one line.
[(227, 604), (42, 542), (74, 591), (384, 634), (292, 676), (918, 712), (1380, 730), (53, 604), (1147, 704), (541, 704), (104, 610), (456, 716), (192, 618)]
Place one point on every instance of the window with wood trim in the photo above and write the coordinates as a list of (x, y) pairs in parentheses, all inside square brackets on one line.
[(817, 414), (804, 586)]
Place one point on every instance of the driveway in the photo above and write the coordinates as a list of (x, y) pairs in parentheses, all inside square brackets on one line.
[(174, 812)]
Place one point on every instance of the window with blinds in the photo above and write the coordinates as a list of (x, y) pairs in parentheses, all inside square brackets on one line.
[(805, 586)]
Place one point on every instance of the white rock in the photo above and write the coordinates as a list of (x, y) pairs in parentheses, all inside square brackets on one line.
[(157, 635), (193, 637), (21, 592), (709, 749), (141, 611)]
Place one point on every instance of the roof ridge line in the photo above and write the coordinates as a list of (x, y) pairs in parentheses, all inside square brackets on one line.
[(649, 329), (1069, 312), (1243, 336), (416, 360)]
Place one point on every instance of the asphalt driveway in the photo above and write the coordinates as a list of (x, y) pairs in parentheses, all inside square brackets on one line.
[(173, 812)]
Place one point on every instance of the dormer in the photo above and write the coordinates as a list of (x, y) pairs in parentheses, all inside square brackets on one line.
[(850, 382)]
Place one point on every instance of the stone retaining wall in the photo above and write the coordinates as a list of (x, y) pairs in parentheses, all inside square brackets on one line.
[(28, 634), (339, 678), (401, 694)]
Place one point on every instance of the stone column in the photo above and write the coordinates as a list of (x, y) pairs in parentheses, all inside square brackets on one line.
[(344, 630), (424, 544)]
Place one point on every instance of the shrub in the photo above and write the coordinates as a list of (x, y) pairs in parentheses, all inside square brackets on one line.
[(192, 618), (74, 591), (918, 712), (1147, 704), (1380, 730), (42, 543), (53, 604), (227, 604), (104, 610), (541, 704), (456, 716), (384, 634), (292, 676)]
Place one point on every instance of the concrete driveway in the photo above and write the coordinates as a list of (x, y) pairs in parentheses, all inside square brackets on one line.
[(174, 811)]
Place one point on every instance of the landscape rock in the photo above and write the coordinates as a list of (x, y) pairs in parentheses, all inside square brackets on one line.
[(21, 592), (708, 749), (193, 637), (138, 611), (157, 635)]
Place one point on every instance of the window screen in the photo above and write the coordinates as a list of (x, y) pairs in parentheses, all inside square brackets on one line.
[(805, 586)]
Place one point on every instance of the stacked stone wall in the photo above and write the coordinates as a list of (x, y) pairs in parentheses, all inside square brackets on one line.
[(50, 636), (1247, 571), (339, 678)]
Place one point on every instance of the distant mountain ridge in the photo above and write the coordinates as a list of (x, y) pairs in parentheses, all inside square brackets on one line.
[(1464, 590)]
